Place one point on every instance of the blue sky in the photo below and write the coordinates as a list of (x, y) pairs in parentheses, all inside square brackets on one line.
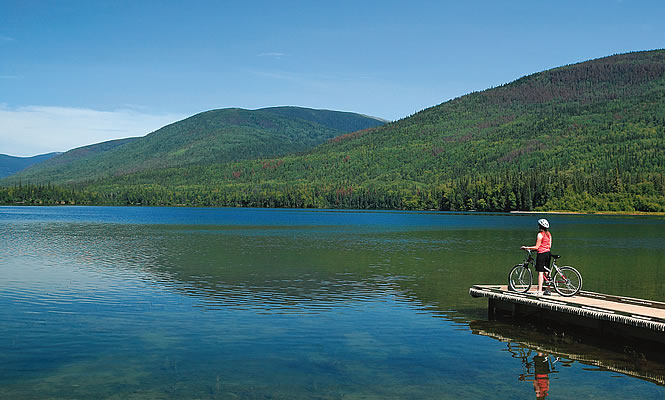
[(74, 73)]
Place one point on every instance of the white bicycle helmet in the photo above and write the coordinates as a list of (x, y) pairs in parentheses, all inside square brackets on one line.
[(543, 222)]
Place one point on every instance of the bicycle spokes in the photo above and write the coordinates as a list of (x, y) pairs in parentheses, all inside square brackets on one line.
[(567, 281), (520, 278)]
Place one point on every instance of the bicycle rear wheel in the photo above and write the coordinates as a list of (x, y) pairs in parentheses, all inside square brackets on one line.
[(567, 281), (520, 279)]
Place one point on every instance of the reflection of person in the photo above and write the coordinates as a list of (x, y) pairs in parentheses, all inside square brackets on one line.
[(542, 382), (542, 247)]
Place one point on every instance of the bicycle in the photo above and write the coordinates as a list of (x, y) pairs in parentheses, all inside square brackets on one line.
[(567, 281)]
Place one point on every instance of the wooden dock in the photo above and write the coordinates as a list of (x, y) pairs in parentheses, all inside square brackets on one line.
[(620, 316)]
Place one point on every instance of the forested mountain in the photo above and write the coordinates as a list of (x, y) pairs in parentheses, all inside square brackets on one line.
[(10, 165), (211, 137), (63, 163), (583, 137)]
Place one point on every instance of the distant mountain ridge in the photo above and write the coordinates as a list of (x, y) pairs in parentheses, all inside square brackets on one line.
[(587, 136), (9, 165), (583, 137), (350, 123), (210, 137)]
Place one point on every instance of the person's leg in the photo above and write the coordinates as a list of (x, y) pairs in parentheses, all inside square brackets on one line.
[(541, 262), (540, 282)]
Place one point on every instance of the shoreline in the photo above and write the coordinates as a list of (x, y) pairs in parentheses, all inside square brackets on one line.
[(628, 213), (516, 212)]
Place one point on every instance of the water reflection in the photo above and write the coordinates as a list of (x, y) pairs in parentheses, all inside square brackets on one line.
[(268, 269), (280, 305), (537, 367), (525, 344), (303, 268)]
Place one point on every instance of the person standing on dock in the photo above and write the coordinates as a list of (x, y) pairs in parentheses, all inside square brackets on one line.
[(542, 247)]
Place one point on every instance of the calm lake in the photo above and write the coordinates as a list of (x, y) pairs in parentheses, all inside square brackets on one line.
[(194, 303)]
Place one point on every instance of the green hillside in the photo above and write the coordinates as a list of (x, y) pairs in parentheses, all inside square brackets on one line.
[(10, 165), (211, 137), (583, 137), (82, 159), (342, 121)]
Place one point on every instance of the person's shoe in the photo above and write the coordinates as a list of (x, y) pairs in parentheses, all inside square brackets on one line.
[(547, 293), (539, 293)]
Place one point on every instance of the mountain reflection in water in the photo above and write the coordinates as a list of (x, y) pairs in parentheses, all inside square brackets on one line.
[(222, 303)]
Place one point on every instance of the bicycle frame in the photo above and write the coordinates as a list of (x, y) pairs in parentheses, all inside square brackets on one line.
[(547, 280)]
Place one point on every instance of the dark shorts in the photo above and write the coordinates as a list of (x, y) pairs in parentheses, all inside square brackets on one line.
[(542, 261)]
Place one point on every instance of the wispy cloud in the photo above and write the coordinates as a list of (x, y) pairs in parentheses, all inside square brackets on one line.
[(4, 38), (272, 54), (31, 130), (308, 80)]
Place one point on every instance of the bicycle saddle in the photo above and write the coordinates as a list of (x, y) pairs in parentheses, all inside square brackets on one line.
[(555, 256)]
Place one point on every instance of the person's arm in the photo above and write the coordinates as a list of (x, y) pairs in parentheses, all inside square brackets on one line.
[(539, 239)]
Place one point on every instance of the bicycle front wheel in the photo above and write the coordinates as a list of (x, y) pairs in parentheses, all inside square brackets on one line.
[(567, 281), (520, 279)]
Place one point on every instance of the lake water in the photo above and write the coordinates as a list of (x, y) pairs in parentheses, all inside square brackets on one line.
[(194, 303)]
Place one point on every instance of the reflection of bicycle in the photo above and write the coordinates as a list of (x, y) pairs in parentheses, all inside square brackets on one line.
[(567, 281), (523, 354), (532, 362)]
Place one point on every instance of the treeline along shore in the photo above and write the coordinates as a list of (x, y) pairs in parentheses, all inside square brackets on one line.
[(526, 193)]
